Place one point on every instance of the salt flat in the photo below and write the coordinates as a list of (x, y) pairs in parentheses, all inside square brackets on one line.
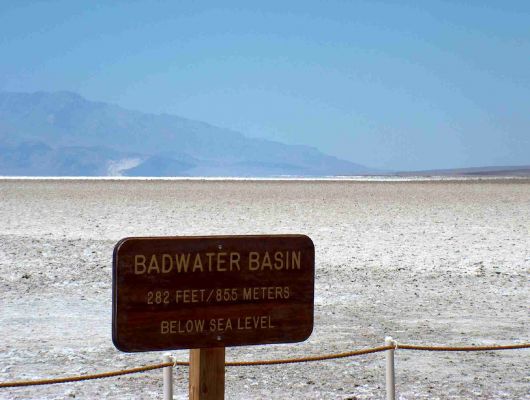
[(430, 262)]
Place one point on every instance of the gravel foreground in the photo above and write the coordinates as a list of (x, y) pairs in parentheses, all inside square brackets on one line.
[(434, 262)]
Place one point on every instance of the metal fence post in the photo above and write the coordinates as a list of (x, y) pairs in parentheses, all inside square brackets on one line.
[(390, 375), (168, 377)]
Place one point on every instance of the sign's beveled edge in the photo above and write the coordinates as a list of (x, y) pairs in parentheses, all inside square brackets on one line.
[(115, 337), (146, 349)]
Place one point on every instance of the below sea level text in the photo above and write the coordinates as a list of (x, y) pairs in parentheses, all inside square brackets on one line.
[(191, 326)]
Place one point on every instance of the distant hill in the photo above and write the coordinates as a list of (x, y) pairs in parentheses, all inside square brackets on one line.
[(64, 134), (518, 170)]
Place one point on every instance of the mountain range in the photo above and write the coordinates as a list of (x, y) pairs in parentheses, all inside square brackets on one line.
[(492, 171), (64, 134)]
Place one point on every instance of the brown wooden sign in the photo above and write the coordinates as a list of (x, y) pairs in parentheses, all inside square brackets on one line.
[(215, 291)]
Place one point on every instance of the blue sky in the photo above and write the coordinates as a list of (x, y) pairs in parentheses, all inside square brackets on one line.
[(388, 84)]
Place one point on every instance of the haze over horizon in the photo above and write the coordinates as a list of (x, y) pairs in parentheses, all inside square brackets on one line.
[(389, 85)]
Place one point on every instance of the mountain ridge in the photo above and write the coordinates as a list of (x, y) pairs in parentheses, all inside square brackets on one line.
[(164, 144), (491, 170)]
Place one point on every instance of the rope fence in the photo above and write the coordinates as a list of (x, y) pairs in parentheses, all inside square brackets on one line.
[(393, 346), (466, 348)]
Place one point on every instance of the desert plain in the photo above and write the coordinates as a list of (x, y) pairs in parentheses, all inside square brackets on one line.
[(428, 261)]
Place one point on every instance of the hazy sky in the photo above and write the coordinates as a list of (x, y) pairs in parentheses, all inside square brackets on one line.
[(389, 84)]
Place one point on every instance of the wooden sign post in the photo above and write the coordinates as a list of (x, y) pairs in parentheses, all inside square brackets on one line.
[(207, 293), (207, 374)]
